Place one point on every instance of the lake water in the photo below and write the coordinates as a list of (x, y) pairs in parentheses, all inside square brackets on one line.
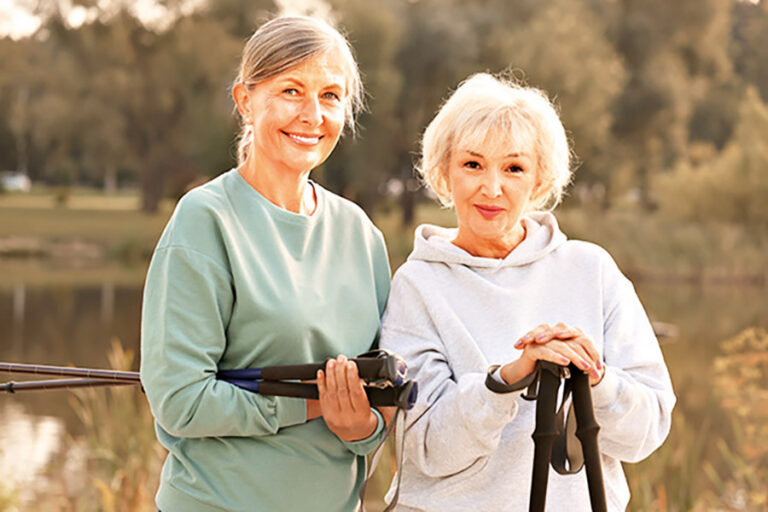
[(74, 325)]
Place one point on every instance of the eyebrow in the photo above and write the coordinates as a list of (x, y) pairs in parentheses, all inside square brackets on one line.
[(513, 155), (332, 85)]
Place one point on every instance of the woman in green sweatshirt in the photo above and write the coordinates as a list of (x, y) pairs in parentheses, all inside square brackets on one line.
[(262, 266)]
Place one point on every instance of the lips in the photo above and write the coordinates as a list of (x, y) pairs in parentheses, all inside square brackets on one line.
[(488, 211), (304, 140)]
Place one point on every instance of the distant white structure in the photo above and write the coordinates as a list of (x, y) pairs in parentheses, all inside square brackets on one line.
[(14, 181)]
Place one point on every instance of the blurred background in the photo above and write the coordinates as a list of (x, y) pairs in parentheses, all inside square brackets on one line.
[(111, 109)]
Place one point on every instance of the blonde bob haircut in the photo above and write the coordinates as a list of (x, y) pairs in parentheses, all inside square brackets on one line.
[(487, 109), (286, 42)]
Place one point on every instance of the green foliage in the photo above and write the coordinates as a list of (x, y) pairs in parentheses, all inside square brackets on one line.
[(115, 99), (741, 384), (731, 186), (123, 457)]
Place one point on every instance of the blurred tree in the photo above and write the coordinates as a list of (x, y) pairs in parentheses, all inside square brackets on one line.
[(732, 186), (750, 43), (670, 64)]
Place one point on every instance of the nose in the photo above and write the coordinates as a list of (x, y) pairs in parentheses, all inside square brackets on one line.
[(311, 112), (491, 184)]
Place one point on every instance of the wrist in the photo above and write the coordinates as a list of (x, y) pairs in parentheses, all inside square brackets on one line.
[(366, 430), (516, 370)]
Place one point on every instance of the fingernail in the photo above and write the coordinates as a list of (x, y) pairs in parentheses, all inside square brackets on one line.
[(526, 338), (586, 364), (519, 344), (331, 364), (560, 333), (319, 374), (565, 360), (541, 337), (599, 364)]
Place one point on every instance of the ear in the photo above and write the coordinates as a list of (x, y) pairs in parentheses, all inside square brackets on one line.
[(539, 189), (242, 98)]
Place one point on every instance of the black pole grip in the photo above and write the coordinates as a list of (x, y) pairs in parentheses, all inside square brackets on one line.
[(368, 368), (396, 396)]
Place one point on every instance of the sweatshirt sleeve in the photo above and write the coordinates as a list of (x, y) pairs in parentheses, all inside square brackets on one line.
[(634, 401), (188, 301), (454, 423)]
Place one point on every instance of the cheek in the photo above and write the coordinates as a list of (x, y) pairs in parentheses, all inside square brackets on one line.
[(335, 121)]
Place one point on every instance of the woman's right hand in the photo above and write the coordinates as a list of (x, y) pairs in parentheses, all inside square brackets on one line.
[(559, 344)]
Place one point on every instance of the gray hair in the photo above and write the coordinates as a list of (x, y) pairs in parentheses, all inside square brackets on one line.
[(286, 42), (485, 106)]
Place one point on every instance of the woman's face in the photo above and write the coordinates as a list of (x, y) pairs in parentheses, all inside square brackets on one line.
[(298, 115), (492, 185)]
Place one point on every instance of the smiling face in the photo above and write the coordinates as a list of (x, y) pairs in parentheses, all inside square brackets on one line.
[(491, 184), (298, 115)]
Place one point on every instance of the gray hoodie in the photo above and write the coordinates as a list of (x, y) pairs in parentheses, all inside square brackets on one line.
[(451, 315)]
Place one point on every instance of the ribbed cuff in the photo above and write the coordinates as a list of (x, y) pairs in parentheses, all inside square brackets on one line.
[(607, 390), (366, 445)]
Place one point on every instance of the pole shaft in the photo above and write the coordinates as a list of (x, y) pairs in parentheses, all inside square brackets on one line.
[(35, 385), (587, 433), (543, 435), (64, 371)]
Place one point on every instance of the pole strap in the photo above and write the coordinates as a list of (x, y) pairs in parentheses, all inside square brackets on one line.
[(398, 426), (567, 453)]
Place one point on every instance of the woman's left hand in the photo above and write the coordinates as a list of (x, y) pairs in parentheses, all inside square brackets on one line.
[(343, 401), (580, 347)]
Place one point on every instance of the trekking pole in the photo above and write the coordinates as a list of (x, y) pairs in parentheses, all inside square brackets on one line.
[(35, 385), (545, 433), (586, 431), (67, 371), (550, 432)]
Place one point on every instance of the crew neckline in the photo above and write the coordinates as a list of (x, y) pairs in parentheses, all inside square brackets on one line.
[(282, 213)]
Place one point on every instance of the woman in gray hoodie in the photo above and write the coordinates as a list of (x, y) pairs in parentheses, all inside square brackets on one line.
[(507, 287)]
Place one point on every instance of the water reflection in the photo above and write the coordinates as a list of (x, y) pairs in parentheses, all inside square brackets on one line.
[(28, 442)]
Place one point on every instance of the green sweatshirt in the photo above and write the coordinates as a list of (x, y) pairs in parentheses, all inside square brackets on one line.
[(237, 282)]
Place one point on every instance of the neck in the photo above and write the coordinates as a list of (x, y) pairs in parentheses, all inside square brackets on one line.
[(498, 248), (288, 190)]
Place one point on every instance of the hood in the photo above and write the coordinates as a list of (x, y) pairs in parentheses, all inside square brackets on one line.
[(542, 236)]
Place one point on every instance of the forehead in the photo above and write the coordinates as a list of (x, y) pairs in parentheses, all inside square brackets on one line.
[(491, 143), (324, 69)]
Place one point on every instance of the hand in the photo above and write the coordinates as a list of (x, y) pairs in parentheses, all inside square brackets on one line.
[(558, 344), (343, 402)]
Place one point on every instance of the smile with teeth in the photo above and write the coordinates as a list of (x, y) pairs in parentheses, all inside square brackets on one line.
[(303, 139)]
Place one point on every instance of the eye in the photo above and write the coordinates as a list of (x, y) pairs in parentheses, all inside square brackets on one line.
[(471, 164), (515, 169), (331, 96), (291, 91)]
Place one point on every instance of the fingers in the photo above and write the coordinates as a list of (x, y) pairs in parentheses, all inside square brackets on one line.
[(344, 404), (545, 333), (577, 351), (341, 388)]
